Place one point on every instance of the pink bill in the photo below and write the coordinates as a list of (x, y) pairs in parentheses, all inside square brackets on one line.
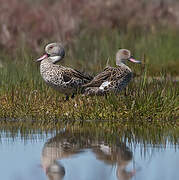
[(134, 60), (42, 57)]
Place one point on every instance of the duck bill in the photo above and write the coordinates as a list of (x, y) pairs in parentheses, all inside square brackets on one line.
[(42, 58), (132, 59)]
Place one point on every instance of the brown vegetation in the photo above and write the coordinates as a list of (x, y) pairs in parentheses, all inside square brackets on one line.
[(34, 23)]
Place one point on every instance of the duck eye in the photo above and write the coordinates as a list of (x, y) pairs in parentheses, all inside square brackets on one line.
[(125, 52)]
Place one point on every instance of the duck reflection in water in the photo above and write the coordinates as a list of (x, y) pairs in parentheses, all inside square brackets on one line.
[(81, 156)]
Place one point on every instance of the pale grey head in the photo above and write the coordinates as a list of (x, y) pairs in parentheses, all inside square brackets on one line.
[(54, 52), (122, 55)]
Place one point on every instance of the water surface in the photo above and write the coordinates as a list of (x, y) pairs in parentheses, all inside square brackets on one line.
[(71, 154)]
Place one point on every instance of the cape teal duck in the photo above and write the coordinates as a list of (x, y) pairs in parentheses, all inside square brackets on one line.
[(112, 79), (64, 79)]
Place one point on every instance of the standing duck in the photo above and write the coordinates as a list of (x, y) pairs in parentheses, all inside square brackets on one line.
[(112, 79), (66, 80)]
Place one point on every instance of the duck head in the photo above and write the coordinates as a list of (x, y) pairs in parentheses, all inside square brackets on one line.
[(54, 52), (122, 55)]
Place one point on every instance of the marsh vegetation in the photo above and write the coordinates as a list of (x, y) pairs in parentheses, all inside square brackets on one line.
[(152, 96)]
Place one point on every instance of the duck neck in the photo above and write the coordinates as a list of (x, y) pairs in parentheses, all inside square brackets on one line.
[(45, 65), (122, 65), (46, 62)]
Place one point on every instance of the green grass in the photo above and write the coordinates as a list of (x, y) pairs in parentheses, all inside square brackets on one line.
[(24, 97), (152, 102), (160, 49)]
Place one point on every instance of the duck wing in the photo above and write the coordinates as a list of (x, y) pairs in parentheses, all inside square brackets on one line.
[(70, 73), (109, 73), (81, 75)]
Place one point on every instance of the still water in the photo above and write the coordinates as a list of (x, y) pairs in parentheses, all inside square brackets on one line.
[(75, 155)]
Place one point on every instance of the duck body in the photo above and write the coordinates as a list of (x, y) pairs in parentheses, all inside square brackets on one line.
[(65, 80), (112, 79)]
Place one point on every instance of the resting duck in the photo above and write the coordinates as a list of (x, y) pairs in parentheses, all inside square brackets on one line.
[(112, 79), (66, 80)]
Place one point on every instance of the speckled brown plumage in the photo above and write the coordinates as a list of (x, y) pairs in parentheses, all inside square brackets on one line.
[(64, 79), (118, 79)]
